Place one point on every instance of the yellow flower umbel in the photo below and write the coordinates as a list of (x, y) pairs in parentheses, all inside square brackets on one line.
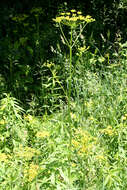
[(84, 142), (31, 172), (75, 143), (73, 18)]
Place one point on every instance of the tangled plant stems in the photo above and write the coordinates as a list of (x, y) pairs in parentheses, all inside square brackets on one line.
[(71, 19)]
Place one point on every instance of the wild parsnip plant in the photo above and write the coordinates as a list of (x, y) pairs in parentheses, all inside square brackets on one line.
[(88, 135), (72, 19)]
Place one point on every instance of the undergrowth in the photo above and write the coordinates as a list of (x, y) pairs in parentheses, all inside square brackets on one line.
[(34, 150)]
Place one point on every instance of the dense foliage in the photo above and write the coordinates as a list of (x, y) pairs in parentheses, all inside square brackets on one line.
[(29, 39), (63, 103)]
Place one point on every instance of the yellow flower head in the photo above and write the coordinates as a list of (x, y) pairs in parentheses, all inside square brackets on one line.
[(82, 18), (73, 10), (31, 172), (88, 19), (2, 122), (29, 118), (108, 131), (68, 13), (83, 49), (73, 164), (67, 18), (75, 143), (42, 134), (3, 157), (79, 13), (58, 19), (85, 142), (100, 157), (73, 18), (62, 13), (27, 152), (83, 149), (124, 118), (74, 15)]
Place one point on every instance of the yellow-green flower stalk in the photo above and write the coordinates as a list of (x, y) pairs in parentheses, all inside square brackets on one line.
[(71, 19)]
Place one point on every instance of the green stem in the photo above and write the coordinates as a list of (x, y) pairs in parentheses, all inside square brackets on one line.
[(69, 108), (57, 80), (70, 69), (67, 43), (79, 34)]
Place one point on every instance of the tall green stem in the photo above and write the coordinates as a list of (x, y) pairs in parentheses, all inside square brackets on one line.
[(70, 45), (69, 107), (73, 22)]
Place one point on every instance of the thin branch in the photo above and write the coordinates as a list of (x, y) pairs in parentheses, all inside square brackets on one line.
[(79, 34), (67, 43)]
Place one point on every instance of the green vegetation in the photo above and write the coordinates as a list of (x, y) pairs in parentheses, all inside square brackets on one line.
[(63, 99)]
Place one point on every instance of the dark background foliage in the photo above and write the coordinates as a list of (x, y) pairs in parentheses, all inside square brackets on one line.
[(27, 44)]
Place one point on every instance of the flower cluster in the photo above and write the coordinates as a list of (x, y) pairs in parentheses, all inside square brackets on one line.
[(31, 119), (84, 142), (31, 172), (108, 131), (82, 50), (2, 122), (42, 134), (3, 157), (27, 152), (73, 18), (101, 159), (124, 117)]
